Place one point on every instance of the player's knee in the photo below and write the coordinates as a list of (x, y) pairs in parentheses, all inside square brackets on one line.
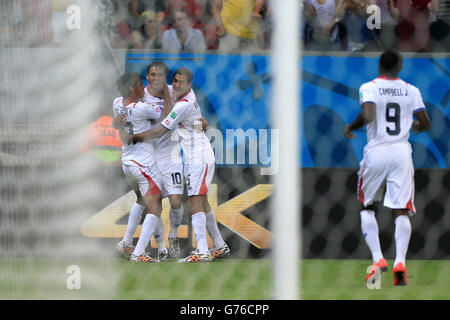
[(195, 204), (175, 201), (399, 212), (140, 201), (154, 204), (206, 205), (372, 207)]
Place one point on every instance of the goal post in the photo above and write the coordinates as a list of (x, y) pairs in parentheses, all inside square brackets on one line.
[(287, 181)]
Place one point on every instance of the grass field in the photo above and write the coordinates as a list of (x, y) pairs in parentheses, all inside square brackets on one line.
[(224, 279)]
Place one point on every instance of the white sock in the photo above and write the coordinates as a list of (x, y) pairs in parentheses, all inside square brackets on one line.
[(133, 221), (176, 216), (159, 235), (213, 229), (402, 235), (369, 228), (199, 227), (148, 229)]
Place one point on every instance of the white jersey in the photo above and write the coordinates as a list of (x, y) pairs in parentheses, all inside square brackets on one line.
[(396, 101), (165, 147), (185, 120), (137, 121)]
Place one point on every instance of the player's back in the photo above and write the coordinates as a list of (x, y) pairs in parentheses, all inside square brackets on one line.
[(395, 101), (138, 116)]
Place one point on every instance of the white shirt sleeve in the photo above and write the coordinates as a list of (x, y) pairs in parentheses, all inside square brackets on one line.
[(366, 93), (179, 112), (116, 108), (418, 102)]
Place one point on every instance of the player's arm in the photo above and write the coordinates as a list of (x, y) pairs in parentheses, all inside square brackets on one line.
[(169, 123), (366, 115), (204, 123), (153, 133), (423, 123), (119, 120)]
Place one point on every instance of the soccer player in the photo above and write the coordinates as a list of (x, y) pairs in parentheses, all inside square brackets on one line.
[(198, 167), (388, 106), (139, 166), (168, 159)]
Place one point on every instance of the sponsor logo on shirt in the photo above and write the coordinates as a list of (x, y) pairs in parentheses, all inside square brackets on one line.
[(173, 115)]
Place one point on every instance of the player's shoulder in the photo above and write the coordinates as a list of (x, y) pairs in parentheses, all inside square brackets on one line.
[(187, 99), (411, 87), (147, 95), (117, 101), (368, 85)]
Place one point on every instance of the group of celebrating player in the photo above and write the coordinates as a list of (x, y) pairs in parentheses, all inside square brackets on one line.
[(156, 123)]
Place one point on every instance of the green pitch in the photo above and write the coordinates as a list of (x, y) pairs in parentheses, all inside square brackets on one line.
[(223, 279)]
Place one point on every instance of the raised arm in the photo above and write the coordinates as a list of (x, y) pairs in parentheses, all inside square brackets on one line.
[(216, 7), (393, 11), (339, 14)]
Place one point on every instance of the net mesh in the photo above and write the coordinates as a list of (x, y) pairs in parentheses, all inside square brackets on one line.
[(63, 208), (48, 186)]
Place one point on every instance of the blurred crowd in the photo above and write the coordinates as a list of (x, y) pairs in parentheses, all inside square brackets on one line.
[(328, 25)]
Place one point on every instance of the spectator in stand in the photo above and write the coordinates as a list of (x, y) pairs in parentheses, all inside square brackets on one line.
[(192, 8), (324, 35), (309, 12), (385, 38), (137, 7), (440, 29), (358, 36), (209, 27), (413, 28), (238, 23), (36, 23), (123, 25), (149, 36), (182, 36)]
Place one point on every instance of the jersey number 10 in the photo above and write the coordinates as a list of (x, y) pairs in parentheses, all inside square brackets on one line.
[(393, 116)]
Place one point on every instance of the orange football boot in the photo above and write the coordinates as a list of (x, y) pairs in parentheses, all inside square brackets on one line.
[(381, 264), (399, 272)]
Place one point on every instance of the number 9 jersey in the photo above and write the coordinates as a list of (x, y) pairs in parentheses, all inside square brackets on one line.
[(396, 101)]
